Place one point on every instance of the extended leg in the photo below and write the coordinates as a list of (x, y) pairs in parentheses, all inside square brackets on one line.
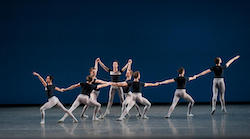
[(174, 103), (97, 108), (72, 108), (147, 104), (222, 96), (110, 102), (46, 106), (131, 103), (215, 95), (65, 110), (83, 115)]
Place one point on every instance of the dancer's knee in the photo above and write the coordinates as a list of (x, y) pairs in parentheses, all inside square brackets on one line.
[(192, 102), (148, 104)]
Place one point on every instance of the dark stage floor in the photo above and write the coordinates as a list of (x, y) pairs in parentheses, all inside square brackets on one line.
[(25, 122)]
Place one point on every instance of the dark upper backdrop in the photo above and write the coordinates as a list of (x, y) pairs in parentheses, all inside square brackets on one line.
[(63, 38)]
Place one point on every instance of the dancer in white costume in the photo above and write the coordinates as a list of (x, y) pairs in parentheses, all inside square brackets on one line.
[(95, 93), (87, 88), (218, 81), (136, 87), (115, 77), (52, 100), (180, 91)]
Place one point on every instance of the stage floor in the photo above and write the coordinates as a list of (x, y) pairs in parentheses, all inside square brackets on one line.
[(24, 122)]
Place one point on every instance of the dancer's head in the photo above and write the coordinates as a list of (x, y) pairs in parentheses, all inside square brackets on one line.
[(89, 79), (137, 75), (181, 71), (92, 71), (217, 60), (129, 73), (115, 65), (49, 79)]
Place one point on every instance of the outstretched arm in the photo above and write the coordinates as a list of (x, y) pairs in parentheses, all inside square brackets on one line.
[(151, 84), (128, 65), (232, 60), (96, 64), (59, 89), (103, 85), (72, 87), (100, 81), (103, 66), (40, 78), (167, 81), (203, 73), (192, 78)]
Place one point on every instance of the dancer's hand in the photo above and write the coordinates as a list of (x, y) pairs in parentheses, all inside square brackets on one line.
[(98, 59), (63, 89), (112, 83), (238, 56), (157, 83), (130, 61), (35, 74)]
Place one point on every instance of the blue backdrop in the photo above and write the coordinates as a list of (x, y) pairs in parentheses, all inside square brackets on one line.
[(63, 38)]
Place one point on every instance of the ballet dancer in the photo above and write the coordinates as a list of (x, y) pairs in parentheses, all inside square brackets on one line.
[(95, 93), (115, 77), (136, 87), (52, 100), (87, 88), (128, 93), (218, 81), (180, 91)]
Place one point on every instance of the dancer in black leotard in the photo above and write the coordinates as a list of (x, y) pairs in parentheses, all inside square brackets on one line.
[(95, 93), (52, 100), (115, 77), (136, 87), (180, 91), (87, 88), (218, 81)]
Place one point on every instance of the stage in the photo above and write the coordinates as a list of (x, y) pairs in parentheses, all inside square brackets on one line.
[(24, 122)]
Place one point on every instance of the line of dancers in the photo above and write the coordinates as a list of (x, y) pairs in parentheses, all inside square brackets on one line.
[(131, 89)]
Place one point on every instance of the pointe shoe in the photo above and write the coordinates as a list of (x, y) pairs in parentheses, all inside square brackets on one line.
[(190, 115), (42, 122), (224, 110), (107, 112), (138, 115), (119, 119), (167, 116), (95, 119), (75, 121), (101, 116), (84, 116), (213, 111), (60, 121), (144, 117)]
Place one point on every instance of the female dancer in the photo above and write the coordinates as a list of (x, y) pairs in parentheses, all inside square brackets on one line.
[(87, 88), (136, 87), (115, 77), (52, 100), (127, 93), (180, 91), (95, 93), (218, 81)]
